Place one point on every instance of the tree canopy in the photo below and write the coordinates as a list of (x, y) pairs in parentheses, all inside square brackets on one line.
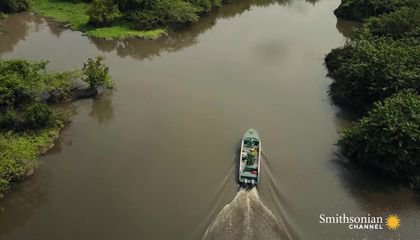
[(361, 9), (372, 69), (388, 137), (28, 122), (377, 74), (12, 6)]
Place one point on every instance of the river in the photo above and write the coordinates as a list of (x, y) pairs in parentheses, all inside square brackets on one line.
[(155, 158)]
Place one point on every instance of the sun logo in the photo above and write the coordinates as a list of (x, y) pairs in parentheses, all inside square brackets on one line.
[(393, 222)]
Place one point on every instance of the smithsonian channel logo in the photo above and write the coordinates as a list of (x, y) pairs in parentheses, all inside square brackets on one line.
[(368, 222)]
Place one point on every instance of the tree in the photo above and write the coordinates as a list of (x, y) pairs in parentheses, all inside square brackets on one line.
[(388, 137), (22, 82), (371, 69), (103, 13), (34, 116), (136, 5), (361, 9), (12, 6), (96, 73), (404, 22), (166, 13)]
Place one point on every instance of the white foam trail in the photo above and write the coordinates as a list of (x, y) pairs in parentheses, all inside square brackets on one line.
[(247, 218)]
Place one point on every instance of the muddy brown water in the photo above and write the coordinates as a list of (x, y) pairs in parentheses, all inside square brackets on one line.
[(155, 159)]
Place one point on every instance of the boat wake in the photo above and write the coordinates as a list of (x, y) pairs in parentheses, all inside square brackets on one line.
[(246, 217)]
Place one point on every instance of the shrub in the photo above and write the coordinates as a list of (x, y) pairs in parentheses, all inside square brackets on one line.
[(34, 116), (17, 154), (78, 1), (10, 119), (12, 6), (153, 5), (179, 12), (361, 9), (388, 137), (165, 13), (4, 185), (136, 5), (415, 182), (146, 20), (206, 5), (13, 91), (58, 85), (103, 12), (38, 116), (370, 70), (337, 56), (96, 73), (401, 23), (9, 171), (150, 14), (22, 82), (27, 125)]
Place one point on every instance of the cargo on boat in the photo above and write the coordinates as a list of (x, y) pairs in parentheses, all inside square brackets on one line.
[(250, 159)]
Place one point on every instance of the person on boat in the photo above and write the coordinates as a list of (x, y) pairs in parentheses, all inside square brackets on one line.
[(244, 155), (251, 158)]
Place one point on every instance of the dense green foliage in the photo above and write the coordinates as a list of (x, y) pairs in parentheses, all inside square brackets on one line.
[(33, 116), (388, 137), (19, 151), (404, 22), (126, 18), (96, 73), (380, 60), (149, 14), (15, 154), (201, 6), (361, 9), (23, 116), (76, 14), (103, 12), (12, 6), (24, 82), (378, 73), (372, 69), (28, 122), (165, 13)]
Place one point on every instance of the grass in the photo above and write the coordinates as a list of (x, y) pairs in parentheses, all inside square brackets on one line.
[(2, 15), (75, 14), (19, 153), (123, 30)]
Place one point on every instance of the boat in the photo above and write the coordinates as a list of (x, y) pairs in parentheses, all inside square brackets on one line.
[(250, 159)]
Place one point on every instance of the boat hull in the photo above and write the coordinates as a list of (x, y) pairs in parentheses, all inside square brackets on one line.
[(250, 159)]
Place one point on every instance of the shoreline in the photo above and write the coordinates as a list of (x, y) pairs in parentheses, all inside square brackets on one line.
[(43, 149), (74, 16), (44, 140), (30, 127)]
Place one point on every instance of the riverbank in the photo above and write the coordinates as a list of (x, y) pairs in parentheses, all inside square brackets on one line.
[(29, 123), (20, 151), (111, 19), (377, 75), (360, 10), (75, 16)]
